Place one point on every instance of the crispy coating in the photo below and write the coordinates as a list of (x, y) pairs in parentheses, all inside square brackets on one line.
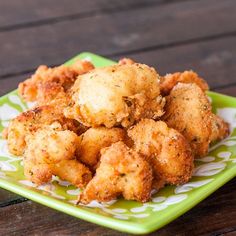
[(30, 121), (114, 95), (93, 140), (73, 171), (166, 149), (74, 128), (188, 110), (37, 173), (170, 80), (51, 151), (122, 171), (32, 89), (52, 93), (5, 133), (126, 61), (220, 129), (157, 183), (51, 145)]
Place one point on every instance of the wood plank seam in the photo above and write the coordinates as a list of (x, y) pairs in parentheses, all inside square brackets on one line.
[(12, 202), (146, 49), (176, 44), (104, 11), (232, 230), (224, 86)]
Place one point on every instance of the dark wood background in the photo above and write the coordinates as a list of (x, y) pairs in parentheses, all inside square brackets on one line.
[(171, 35)]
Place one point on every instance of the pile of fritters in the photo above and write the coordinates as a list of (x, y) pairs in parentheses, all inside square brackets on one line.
[(120, 130)]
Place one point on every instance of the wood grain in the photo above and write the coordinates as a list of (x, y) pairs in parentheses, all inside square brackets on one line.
[(11, 83), (214, 60), (24, 49), (171, 35), (229, 90), (215, 214), (8, 198), (26, 13)]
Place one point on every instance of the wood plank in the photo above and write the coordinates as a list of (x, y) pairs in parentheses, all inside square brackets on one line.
[(215, 214), (11, 83), (231, 90), (8, 198), (20, 13), (155, 26), (213, 60)]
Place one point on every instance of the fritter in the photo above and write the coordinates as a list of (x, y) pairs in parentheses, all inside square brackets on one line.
[(170, 80), (30, 121), (122, 171), (166, 149), (116, 95), (189, 111), (63, 76), (51, 150), (93, 140)]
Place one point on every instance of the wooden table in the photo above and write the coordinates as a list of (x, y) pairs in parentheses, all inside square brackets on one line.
[(170, 35)]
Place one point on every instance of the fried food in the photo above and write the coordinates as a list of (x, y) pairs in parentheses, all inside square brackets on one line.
[(122, 171), (126, 61), (37, 173), (62, 76), (51, 144), (93, 140), (116, 95), (188, 110), (110, 130), (30, 121), (170, 80), (166, 150), (49, 149), (49, 93), (72, 171), (220, 128)]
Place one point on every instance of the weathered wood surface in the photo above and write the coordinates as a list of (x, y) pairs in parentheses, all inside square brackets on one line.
[(8, 198), (117, 33), (26, 13), (171, 35), (214, 216), (214, 60), (229, 90)]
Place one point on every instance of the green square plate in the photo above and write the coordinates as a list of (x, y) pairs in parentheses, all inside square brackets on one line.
[(210, 173)]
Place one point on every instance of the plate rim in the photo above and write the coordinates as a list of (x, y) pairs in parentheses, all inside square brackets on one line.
[(117, 224)]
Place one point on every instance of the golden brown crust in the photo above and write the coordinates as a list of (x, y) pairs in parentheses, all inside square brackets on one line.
[(72, 99), (57, 78), (51, 151), (93, 140), (166, 149), (37, 173), (220, 128), (5, 133), (116, 95), (31, 120), (122, 171), (170, 80), (188, 110), (51, 144), (73, 171), (126, 61)]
